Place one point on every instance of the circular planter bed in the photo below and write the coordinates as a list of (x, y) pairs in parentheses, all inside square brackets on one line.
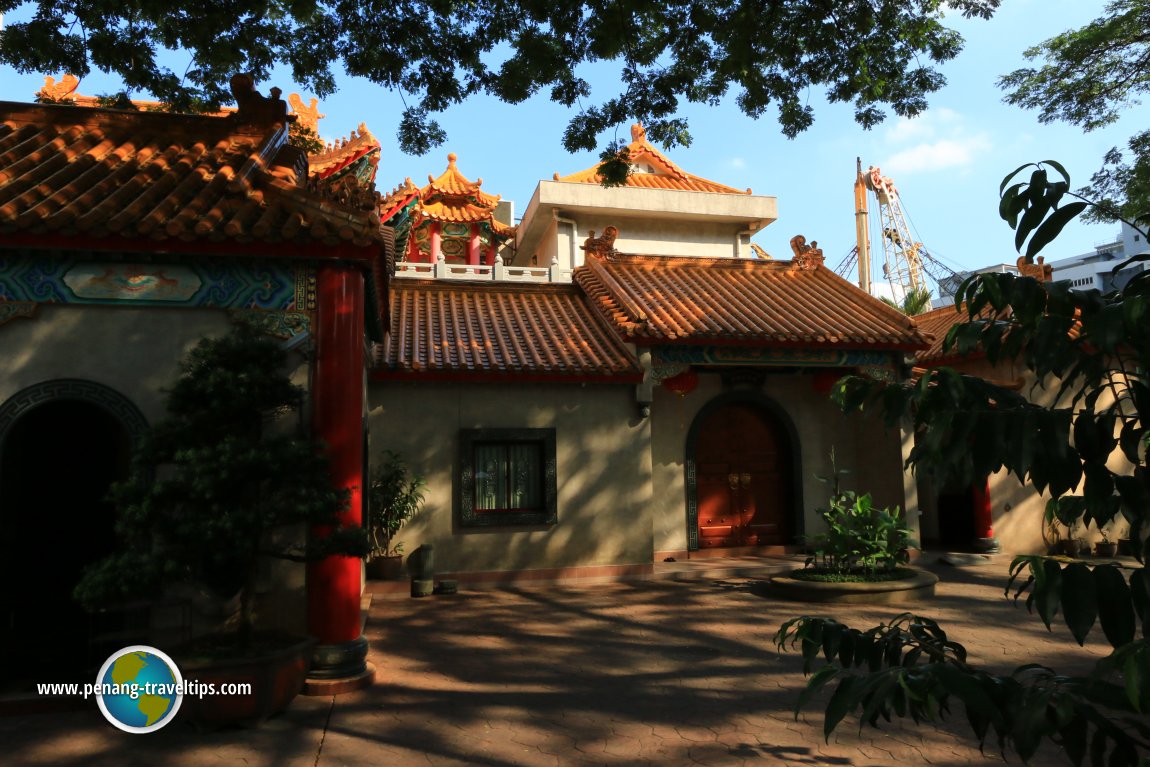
[(918, 584)]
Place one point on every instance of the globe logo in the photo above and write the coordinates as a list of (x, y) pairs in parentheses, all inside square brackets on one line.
[(139, 689)]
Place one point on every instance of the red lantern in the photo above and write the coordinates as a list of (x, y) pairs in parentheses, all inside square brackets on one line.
[(682, 384)]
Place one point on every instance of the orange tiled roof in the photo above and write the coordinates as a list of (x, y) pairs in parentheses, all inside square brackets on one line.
[(726, 300), (936, 324), (340, 154), (90, 173), (64, 92), (651, 169), (502, 329)]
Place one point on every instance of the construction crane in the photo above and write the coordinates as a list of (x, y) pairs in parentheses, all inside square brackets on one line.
[(907, 266)]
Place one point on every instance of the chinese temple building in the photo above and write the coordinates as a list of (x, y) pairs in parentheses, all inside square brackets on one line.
[(125, 237), (620, 378), (629, 380)]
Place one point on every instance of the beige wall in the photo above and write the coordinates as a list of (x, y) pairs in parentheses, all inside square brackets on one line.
[(603, 460), (662, 237), (135, 351), (862, 445), (132, 350)]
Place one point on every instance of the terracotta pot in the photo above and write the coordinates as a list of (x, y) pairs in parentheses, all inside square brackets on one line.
[(385, 568), (1105, 549), (276, 677)]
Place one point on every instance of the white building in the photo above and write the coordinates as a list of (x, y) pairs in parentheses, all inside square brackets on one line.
[(1094, 269)]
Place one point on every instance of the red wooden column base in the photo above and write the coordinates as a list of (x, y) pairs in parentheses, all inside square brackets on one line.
[(333, 584), (984, 539)]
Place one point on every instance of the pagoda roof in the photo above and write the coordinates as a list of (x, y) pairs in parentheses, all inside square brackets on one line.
[(656, 300), (651, 169), (453, 198), (499, 331)]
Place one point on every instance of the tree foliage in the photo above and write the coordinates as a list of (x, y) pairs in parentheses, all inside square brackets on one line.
[(875, 54), (1091, 75), (1090, 352), (914, 303)]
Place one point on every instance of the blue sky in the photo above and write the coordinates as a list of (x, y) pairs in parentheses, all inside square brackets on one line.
[(947, 163)]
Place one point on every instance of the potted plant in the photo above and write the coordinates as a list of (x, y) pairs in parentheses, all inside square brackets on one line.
[(394, 496), (1068, 511), (226, 480), (1106, 547)]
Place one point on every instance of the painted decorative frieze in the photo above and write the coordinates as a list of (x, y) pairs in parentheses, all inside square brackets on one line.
[(276, 298)]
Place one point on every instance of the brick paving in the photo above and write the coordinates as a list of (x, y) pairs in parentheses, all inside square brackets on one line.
[(661, 672)]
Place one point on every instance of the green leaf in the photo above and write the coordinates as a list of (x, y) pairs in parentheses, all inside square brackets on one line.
[(1136, 679), (842, 702), (1030, 219), (1011, 175), (814, 684), (1140, 597), (1074, 739), (1047, 590), (1058, 167), (1079, 604), (1052, 227), (1115, 607)]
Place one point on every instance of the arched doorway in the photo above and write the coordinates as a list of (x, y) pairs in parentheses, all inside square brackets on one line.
[(61, 448), (741, 458)]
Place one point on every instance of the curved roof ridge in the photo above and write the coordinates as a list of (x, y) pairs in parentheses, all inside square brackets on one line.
[(641, 150)]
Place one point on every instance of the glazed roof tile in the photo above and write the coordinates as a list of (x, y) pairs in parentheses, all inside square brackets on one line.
[(340, 154), (935, 324), (663, 173), (500, 329), (660, 299), (82, 172)]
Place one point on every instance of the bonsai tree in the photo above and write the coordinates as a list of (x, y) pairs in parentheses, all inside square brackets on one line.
[(393, 498), (213, 486)]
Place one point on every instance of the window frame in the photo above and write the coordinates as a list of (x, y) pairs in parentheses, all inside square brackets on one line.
[(469, 516)]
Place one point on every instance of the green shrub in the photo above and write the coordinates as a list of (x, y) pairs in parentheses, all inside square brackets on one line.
[(860, 537)]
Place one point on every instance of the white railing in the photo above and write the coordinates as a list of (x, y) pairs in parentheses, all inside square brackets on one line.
[(496, 273)]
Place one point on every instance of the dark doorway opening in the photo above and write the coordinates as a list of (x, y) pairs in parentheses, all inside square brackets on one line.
[(57, 464), (956, 519)]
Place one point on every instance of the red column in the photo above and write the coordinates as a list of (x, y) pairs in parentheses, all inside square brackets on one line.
[(436, 241), (333, 584), (473, 246), (984, 539)]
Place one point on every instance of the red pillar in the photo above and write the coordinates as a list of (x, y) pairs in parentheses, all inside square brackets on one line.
[(983, 517), (473, 256), (436, 236), (333, 584)]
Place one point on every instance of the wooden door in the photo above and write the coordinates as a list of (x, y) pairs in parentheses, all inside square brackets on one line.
[(743, 479)]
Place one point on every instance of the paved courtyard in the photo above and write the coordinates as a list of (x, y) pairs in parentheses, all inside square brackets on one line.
[(662, 672)]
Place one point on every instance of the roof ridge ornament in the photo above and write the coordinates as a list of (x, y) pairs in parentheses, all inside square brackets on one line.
[(306, 116), (1041, 271), (253, 106), (58, 91), (638, 133), (807, 257), (603, 246)]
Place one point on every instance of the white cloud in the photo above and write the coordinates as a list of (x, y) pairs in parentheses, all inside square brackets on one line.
[(936, 155), (737, 162), (935, 140)]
